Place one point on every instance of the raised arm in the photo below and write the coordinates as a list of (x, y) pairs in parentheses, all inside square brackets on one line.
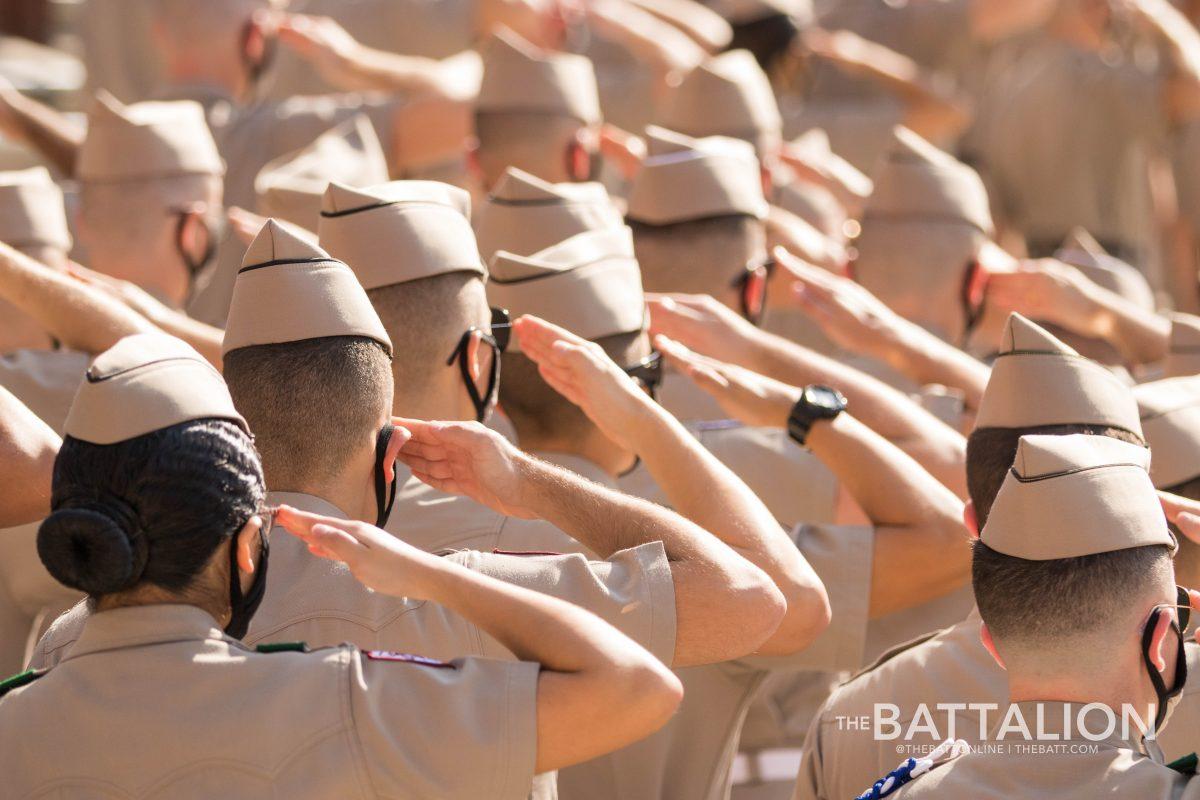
[(79, 316), (1058, 293), (856, 320), (703, 325), (696, 483), (44, 129), (27, 450), (920, 544), (598, 690)]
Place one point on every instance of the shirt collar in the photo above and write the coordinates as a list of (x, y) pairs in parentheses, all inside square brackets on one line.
[(306, 502), (138, 626)]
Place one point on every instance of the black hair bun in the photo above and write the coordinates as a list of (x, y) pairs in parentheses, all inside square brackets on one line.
[(96, 549)]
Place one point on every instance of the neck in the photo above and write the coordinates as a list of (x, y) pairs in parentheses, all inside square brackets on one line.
[(593, 446), (442, 399), (149, 276), (1115, 688), (346, 490)]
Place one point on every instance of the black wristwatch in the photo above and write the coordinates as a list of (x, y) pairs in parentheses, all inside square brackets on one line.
[(815, 403)]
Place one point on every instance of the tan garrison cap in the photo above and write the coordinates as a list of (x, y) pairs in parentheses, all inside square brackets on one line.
[(400, 231), (920, 183), (31, 210), (814, 148), (519, 77), (1171, 424), (1038, 380), (728, 95), (146, 141), (525, 214), (145, 383), (289, 290), (1078, 495), (291, 187), (590, 284), (685, 179), (1183, 356), (1083, 252)]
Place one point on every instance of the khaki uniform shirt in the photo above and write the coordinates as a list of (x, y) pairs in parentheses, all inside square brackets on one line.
[(45, 381), (1067, 143), (199, 715), (1078, 767), (843, 759)]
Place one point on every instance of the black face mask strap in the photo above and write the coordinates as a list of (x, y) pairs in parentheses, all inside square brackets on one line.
[(383, 499), (481, 403), (195, 266), (243, 605), (1163, 695)]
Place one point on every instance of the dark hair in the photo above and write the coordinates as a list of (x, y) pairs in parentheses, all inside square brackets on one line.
[(533, 406), (769, 38), (533, 141), (1036, 601), (152, 509), (696, 256), (991, 451), (310, 403)]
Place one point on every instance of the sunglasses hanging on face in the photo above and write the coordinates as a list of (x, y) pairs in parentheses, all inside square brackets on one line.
[(648, 373), (498, 338), (751, 285)]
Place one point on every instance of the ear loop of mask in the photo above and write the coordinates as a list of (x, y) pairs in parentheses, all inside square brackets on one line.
[(1163, 695), (256, 68), (195, 266), (974, 288), (383, 500), (481, 403), (242, 606)]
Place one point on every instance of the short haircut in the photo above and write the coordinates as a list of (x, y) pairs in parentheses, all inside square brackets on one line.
[(1034, 604), (311, 404), (211, 24), (151, 510), (535, 408), (122, 218), (426, 320), (534, 142), (991, 452), (699, 256)]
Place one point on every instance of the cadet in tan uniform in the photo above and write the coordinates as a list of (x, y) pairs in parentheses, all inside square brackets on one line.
[(1038, 386), (538, 111), (159, 515), (290, 187), (1076, 524)]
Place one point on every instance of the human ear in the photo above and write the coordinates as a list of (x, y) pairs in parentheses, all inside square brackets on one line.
[(474, 367), (970, 519), (245, 541), (1158, 639), (985, 636)]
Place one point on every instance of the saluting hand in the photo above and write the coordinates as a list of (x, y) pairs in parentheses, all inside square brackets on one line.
[(745, 395), (700, 322), (583, 373), (468, 459), (847, 313), (378, 560)]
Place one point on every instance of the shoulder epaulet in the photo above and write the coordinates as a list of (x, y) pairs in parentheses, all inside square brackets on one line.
[(913, 768), (1185, 765), (21, 679), (903, 647), (282, 647)]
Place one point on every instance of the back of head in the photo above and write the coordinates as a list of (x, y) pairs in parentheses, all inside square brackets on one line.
[(1076, 525), (589, 284), (32, 216), (156, 470), (696, 210), (306, 358), (1039, 385), (530, 108), (214, 26)]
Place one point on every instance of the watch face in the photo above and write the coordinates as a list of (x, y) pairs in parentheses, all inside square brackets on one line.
[(826, 399)]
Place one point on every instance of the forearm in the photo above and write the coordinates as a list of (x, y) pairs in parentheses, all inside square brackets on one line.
[(368, 69), (702, 25), (205, 338), (1141, 337), (1177, 35), (657, 44), (925, 359), (889, 485), (78, 316), (27, 450), (890, 413), (42, 128)]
